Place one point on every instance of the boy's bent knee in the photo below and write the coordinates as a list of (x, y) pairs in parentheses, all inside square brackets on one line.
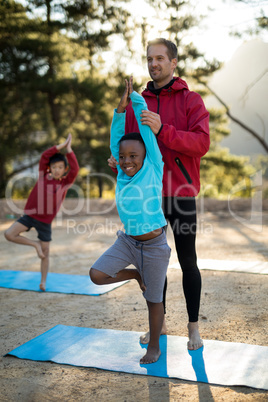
[(46, 252), (7, 235), (93, 273), (45, 248), (96, 276)]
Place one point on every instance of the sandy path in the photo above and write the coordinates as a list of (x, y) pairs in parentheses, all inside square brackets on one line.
[(233, 309)]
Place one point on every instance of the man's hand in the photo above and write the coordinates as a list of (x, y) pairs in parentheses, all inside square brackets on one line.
[(152, 119), (112, 162), (66, 144)]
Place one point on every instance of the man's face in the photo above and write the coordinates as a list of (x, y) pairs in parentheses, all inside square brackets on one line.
[(160, 68), (57, 169), (131, 156)]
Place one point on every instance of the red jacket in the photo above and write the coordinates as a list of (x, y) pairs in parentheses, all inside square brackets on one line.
[(183, 139), (47, 195)]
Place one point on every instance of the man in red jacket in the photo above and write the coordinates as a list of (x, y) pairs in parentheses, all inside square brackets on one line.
[(44, 202), (180, 121)]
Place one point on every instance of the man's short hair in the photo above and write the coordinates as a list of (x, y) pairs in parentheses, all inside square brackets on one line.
[(132, 136), (172, 50), (58, 157)]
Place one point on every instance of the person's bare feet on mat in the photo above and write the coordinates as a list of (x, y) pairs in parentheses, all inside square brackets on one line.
[(151, 356), (42, 287), (195, 342), (145, 338)]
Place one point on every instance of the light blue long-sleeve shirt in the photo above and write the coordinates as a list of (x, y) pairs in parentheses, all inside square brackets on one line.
[(139, 198)]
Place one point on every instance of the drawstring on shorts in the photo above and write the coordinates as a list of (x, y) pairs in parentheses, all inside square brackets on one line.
[(141, 267)]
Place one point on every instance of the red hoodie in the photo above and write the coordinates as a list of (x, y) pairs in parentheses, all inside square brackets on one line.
[(47, 195), (184, 137)]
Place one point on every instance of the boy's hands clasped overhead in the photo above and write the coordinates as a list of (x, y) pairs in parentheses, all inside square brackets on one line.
[(125, 98), (121, 109), (149, 118), (66, 144)]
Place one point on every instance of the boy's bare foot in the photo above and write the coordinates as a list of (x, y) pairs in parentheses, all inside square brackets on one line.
[(145, 338), (42, 287), (195, 342), (39, 250), (151, 356)]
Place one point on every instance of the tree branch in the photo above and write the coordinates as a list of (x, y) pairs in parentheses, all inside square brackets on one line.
[(237, 121), (252, 84), (22, 169)]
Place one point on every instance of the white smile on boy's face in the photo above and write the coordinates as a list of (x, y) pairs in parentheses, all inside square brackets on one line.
[(131, 156)]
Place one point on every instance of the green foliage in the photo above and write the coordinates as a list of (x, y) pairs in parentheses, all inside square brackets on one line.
[(50, 84), (221, 172), (261, 22), (181, 20), (262, 164), (21, 188)]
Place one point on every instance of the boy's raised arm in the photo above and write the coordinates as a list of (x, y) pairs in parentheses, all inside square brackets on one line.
[(46, 155), (152, 149), (118, 123), (72, 161), (66, 144), (44, 160), (73, 167)]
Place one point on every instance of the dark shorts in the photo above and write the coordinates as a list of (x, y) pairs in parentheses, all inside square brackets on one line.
[(150, 257), (43, 229)]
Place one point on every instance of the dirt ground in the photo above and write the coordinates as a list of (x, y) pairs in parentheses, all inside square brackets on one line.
[(233, 309)]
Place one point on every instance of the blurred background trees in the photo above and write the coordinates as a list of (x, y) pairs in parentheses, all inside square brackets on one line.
[(59, 74)]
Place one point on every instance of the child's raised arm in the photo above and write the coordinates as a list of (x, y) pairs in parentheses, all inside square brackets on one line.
[(118, 123), (152, 149), (124, 101), (66, 144)]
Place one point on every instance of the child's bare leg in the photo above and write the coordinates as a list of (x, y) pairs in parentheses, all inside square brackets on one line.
[(44, 264), (156, 317), (100, 278), (13, 234), (195, 341), (145, 338)]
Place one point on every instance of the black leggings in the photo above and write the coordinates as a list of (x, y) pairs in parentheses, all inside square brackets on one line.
[(181, 214)]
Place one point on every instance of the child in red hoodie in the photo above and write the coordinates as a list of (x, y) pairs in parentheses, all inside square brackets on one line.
[(44, 202)]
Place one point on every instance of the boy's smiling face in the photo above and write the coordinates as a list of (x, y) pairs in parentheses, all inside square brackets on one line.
[(131, 156), (57, 169)]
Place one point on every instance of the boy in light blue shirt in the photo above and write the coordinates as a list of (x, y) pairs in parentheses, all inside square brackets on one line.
[(138, 200)]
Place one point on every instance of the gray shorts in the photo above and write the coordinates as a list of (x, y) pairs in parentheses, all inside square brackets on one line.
[(150, 257)]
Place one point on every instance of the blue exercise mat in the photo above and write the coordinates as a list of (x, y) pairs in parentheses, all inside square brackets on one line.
[(57, 283), (217, 362)]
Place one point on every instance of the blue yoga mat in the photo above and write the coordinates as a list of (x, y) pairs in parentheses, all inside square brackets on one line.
[(217, 362), (57, 283)]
